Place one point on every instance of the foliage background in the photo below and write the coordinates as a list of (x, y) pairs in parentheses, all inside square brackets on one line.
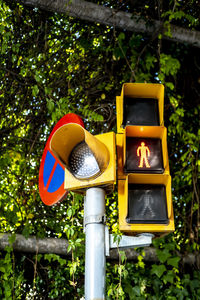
[(50, 65)]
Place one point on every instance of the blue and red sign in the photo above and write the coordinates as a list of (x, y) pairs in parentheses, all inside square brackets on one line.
[(52, 172)]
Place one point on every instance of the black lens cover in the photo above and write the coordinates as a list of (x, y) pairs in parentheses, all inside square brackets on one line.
[(141, 111), (147, 204)]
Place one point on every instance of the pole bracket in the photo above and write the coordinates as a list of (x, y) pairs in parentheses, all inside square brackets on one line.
[(142, 240)]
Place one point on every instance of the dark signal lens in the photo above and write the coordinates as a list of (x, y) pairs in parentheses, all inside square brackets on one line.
[(141, 111), (143, 155), (147, 204)]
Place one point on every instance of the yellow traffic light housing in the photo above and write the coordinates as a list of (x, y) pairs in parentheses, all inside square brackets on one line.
[(144, 182), (89, 160)]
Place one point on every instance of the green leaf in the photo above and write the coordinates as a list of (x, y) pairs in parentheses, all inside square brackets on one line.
[(26, 231), (2, 269), (121, 36), (69, 212), (170, 246), (129, 290), (35, 90), (50, 105), (173, 261), (136, 291), (122, 256), (158, 270), (69, 248), (163, 255), (169, 277)]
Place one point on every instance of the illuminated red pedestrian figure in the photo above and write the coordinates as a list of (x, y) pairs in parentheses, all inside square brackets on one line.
[(144, 152)]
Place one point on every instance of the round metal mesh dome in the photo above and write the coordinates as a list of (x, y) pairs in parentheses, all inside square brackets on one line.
[(82, 162)]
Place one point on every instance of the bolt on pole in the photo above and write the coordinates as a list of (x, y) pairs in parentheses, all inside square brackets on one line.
[(95, 259)]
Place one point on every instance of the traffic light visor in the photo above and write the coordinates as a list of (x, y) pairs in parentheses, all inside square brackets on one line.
[(81, 153), (140, 104)]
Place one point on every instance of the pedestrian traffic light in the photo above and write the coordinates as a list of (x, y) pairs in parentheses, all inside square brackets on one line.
[(144, 181), (89, 160)]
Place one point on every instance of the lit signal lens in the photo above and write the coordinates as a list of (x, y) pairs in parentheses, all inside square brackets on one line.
[(82, 162), (143, 155), (147, 204)]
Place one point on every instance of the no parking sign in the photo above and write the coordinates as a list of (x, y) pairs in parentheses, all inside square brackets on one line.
[(52, 172)]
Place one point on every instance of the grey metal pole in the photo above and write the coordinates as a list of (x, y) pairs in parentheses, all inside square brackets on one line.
[(95, 260)]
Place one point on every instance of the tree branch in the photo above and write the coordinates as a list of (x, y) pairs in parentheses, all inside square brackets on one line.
[(59, 246), (104, 15)]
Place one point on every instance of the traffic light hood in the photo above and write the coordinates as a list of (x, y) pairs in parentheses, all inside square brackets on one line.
[(67, 137), (140, 104)]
